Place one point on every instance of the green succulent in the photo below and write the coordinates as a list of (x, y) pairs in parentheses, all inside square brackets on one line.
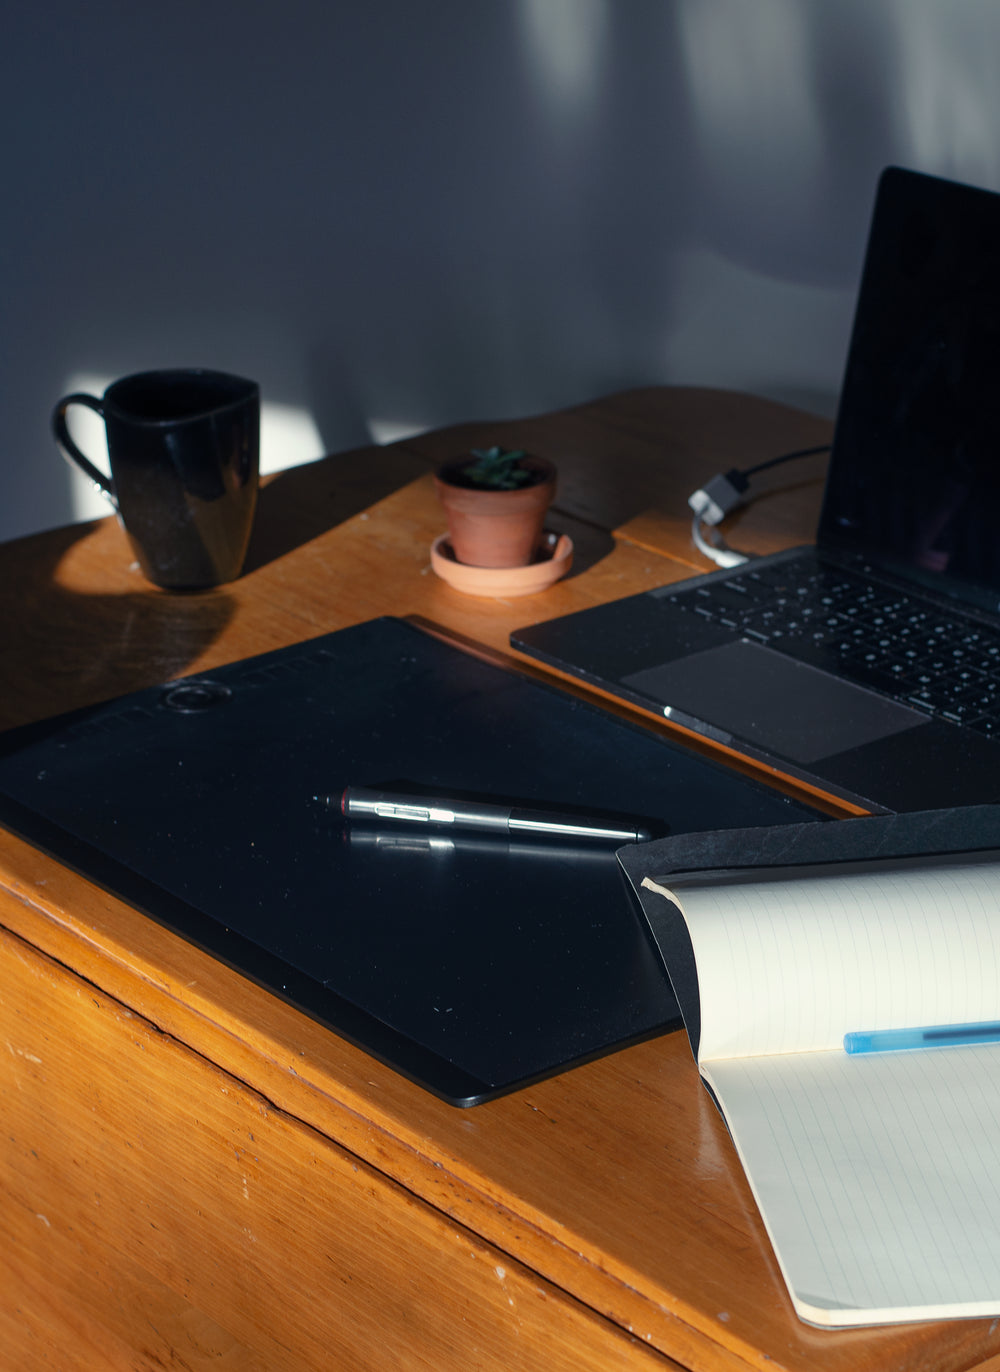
[(498, 469)]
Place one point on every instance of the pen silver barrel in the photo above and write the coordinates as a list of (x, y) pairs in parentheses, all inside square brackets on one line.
[(567, 826), (361, 803), (373, 805)]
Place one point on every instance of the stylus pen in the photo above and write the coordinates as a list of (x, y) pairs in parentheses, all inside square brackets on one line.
[(359, 803), (933, 1036)]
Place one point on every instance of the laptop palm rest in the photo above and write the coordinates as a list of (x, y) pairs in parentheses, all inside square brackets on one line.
[(780, 705)]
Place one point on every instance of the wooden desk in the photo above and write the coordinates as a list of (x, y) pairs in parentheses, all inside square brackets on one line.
[(194, 1175)]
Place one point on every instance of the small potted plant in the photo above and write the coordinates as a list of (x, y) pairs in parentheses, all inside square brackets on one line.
[(496, 500)]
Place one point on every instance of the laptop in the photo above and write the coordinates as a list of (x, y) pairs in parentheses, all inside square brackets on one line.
[(869, 663)]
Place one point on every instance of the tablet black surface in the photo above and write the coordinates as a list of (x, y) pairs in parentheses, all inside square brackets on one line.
[(471, 966)]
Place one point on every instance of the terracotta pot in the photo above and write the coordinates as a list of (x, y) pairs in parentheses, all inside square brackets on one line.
[(496, 528)]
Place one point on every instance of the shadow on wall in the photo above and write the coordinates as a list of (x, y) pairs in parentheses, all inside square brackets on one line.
[(397, 216)]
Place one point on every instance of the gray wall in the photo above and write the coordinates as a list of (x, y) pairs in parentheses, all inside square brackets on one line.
[(397, 214)]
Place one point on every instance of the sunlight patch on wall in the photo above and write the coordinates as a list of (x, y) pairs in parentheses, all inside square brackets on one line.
[(565, 41), (87, 430), (394, 430), (288, 438), (949, 97), (754, 107)]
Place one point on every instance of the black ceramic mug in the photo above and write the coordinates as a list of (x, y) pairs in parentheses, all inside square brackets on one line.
[(184, 448)]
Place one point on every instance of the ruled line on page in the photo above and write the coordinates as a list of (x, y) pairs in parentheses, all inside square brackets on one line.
[(793, 965)]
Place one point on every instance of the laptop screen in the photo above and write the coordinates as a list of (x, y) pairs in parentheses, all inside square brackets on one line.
[(914, 480)]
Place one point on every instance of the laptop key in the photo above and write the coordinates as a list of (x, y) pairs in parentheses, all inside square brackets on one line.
[(986, 724)]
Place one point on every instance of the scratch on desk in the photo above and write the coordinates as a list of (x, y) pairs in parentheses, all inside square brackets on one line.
[(502, 1275), (20, 1053)]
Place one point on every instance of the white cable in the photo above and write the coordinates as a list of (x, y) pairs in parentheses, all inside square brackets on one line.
[(713, 501), (717, 551)]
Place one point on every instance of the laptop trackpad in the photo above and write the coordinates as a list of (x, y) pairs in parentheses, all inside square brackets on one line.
[(770, 700)]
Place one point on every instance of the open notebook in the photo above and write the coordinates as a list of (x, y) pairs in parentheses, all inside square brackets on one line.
[(876, 1176)]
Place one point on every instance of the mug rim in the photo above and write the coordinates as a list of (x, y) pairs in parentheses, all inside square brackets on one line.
[(247, 391)]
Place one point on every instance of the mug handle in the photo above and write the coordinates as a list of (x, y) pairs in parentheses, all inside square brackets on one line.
[(69, 449)]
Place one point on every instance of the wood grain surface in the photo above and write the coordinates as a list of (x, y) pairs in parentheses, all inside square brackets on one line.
[(193, 1174)]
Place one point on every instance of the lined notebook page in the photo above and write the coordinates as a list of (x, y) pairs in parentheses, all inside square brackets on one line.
[(876, 1177), (791, 965)]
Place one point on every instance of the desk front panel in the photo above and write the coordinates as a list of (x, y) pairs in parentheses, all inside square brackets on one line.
[(121, 1143)]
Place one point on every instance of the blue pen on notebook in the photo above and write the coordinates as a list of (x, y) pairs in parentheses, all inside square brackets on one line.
[(932, 1036)]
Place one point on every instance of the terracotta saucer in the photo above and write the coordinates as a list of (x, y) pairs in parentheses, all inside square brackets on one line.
[(552, 561)]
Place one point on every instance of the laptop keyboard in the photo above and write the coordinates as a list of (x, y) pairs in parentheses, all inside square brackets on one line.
[(858, 627)]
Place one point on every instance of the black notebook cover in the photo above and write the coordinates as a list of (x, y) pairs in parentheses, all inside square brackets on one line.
[(471, 967)]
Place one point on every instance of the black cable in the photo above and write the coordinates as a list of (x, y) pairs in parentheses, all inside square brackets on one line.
[(785, 457)]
